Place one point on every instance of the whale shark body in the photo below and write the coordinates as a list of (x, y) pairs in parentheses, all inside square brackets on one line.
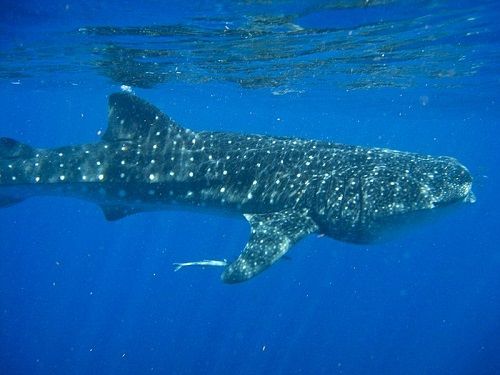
[(286, 188)]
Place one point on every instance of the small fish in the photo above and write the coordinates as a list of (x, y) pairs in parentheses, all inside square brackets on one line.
[(203, 263)]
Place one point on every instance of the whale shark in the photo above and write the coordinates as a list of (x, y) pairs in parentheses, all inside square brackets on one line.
[(286, 188)]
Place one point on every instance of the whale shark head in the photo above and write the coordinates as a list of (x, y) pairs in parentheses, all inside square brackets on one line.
[(437, 183), (393, 190), (452, 184)]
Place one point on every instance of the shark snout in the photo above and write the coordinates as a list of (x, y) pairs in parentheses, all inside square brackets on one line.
[(453, 184)]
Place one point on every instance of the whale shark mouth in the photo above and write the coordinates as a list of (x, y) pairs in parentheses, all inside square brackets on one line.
[(470, 197), (463, 195)]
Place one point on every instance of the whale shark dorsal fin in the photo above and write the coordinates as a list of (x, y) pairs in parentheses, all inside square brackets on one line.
[(272, 234), (130, 118), (12, 149)]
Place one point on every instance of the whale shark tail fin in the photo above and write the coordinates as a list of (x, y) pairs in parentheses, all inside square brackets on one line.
[(131, 118), (10, 151)]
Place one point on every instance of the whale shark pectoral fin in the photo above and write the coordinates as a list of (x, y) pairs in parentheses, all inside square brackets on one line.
[(271, 236)]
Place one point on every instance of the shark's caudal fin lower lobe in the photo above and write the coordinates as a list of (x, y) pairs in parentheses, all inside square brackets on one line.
[(12, 151)]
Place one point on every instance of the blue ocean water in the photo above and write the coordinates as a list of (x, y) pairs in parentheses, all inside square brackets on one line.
[(81, 295)]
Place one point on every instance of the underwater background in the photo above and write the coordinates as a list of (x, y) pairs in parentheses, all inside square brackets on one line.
[(81, 295)]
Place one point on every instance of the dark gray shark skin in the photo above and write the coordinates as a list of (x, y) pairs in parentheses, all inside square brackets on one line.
[(286, 188)]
